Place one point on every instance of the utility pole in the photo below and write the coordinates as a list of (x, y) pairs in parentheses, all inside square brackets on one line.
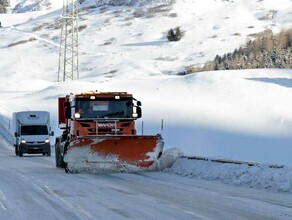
[(68, 54)]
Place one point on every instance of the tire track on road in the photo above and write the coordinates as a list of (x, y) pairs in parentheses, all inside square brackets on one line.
[(53, 197), (3, 201)]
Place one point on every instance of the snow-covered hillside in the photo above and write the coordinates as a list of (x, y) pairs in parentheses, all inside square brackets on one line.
[(242, 115)]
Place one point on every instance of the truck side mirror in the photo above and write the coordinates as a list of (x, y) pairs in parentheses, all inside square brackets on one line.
[(139, 112)]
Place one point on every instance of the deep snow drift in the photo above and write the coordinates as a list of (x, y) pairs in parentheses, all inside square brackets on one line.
[(261, 176)]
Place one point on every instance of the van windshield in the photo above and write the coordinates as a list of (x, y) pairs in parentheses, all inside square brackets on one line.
[(34, 130)]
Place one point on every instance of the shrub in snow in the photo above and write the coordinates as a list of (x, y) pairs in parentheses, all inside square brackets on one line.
[(174, 35), (3, 5)]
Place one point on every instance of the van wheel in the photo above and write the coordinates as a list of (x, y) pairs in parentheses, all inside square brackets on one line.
[(16, 151), (49, 152), (20, 152)]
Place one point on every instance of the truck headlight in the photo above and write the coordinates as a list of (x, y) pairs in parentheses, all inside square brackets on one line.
[(23, 141), (47, 141)]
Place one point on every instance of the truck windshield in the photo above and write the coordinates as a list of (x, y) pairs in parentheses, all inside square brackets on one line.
[(34, 130), (104, 108)]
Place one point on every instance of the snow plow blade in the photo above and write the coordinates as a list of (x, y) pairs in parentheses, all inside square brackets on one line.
[(114, 150)]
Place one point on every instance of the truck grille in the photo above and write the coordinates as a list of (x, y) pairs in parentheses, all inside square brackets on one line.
[(102, 128)]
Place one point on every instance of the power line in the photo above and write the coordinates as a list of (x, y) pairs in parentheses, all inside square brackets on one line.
[(68, 54)]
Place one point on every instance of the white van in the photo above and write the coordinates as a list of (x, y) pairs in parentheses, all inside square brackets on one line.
[(32, 132)]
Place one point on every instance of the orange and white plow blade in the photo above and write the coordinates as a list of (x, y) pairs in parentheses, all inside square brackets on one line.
[(111, 152)]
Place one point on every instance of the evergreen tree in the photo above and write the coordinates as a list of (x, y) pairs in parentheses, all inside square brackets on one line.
[(171, 35), (178, 34), (174, 35)]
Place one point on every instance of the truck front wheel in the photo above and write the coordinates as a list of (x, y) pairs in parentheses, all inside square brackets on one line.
[(62, 163), (58, 156), (57, 153)]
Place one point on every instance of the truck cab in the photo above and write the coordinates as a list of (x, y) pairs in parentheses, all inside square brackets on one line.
[(100, 114)]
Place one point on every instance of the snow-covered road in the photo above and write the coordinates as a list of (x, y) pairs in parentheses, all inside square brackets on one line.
[(32, 188)]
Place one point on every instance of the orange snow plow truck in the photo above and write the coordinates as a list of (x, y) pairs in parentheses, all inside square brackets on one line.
[(99, 133)]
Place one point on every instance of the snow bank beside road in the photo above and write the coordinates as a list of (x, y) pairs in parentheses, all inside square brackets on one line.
[(259, 176)]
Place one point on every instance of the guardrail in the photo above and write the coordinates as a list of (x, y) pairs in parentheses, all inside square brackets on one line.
[(231, 161)]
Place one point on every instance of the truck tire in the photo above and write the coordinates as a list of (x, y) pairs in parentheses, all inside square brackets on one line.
[(62, 163), (58, 156), (57, 153), (66, 168)]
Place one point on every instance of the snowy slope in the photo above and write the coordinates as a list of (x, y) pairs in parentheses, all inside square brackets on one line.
[(228, 114)]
